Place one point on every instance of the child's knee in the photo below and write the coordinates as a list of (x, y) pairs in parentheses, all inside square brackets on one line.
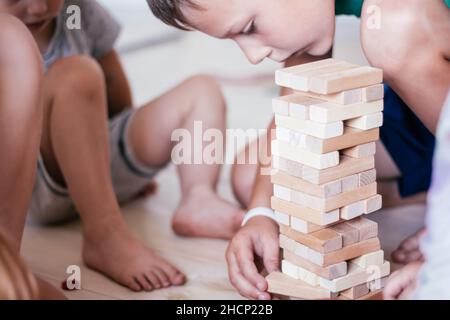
[(81, 76), (18, 49), (206, 87)]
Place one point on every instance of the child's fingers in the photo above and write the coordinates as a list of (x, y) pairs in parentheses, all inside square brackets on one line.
[(397, 282), (246, 262), (244, 287), (271, 255)]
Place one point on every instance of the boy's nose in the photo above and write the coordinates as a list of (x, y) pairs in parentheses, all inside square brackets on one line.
[(37, 7), (255, 53)]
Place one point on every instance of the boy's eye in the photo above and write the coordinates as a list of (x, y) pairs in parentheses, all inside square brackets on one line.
[(249, 29)]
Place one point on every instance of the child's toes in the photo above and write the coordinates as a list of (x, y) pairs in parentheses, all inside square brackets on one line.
[(175, 276), (133, 284), (162, 276), (145, 283), (154, 280), (413, 256), (399, 256)]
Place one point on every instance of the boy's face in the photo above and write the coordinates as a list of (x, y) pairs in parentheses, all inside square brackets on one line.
[(36, 14), (274, 29)]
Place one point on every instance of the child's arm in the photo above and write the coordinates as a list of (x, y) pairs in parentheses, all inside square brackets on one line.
[(117, 86)]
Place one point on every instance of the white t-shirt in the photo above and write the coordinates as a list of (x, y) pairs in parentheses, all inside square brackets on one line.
[(96, 37)]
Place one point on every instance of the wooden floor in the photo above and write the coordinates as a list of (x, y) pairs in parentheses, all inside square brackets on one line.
[(51, 250)]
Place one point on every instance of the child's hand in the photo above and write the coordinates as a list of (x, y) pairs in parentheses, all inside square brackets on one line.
[(258, 238), (402, 283)]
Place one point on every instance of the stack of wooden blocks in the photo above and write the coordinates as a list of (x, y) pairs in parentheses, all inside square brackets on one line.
[(324, 181)]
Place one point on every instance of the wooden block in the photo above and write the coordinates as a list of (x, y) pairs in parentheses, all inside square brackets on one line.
[(351, 137), (282, 218), (373, 204), (290, 269), (299, 106), (361, 151), (303, 156), (367, 177), (371, 259), (346, 80), (282, 193), (325, 190), (305, 213), (323, 241), (373, 93), (347, 166), (330, 272), (344, 254), (350, 183), (356, 292), (304, 226), (283, 76), (294, 138), (293, 105), (328, 112), (312, 128), (285, 242), (335, 202), (376, 295), (378, 284), (367, 228), (302, 80), (344, 98), (290, 167), (349, 234), (354, 277), (366, 122), (280, 106), (286, 286), (352, 211)]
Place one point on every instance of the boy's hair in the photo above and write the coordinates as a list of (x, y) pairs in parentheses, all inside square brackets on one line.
[(169, 12)]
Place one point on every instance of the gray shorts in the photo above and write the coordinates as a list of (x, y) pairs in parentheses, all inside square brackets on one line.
[(51, 202)]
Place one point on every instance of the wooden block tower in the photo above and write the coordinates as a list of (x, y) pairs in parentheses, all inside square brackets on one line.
[(324, 181)]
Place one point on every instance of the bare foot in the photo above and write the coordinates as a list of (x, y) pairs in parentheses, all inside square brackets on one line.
[(409, 249), (202, 213), (119, 256)]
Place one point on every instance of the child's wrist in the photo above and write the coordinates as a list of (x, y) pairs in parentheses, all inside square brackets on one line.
[(258, 212)]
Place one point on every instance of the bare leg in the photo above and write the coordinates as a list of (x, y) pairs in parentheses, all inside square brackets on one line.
[(20, 123), (75, 149), (201, 211)]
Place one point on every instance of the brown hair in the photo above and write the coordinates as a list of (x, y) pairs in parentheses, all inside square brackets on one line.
[(169, 12), (16, 280)]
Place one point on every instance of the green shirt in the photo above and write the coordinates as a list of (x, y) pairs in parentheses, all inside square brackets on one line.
[(354, 7)]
